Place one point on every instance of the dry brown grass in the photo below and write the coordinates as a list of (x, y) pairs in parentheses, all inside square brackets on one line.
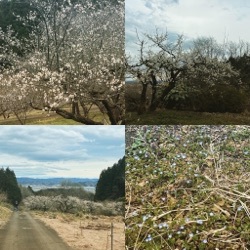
[(88, 232), (188, 187), (5, 213)]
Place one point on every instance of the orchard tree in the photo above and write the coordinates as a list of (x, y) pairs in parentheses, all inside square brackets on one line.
[(74, 63), (239, 49), (73, 205), (160, 63), (178, 76)]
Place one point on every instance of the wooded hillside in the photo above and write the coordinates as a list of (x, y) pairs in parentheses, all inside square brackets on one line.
[(111, 184)]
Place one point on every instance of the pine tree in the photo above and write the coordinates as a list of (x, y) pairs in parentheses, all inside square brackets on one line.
[(111, 184), (9, 185)]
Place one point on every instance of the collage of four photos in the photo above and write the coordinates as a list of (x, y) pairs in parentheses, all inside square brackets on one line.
[(124, 125)]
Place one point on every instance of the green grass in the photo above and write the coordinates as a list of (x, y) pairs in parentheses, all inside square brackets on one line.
[(54, 120), (36, 117), (187, 187), (170, 117)]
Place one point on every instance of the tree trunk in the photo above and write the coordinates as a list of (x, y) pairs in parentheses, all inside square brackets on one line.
[(153, 104), (113, 117), (143, 101), (166, 91)]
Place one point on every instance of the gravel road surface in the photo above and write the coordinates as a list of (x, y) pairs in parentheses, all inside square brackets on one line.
[(23, 232)]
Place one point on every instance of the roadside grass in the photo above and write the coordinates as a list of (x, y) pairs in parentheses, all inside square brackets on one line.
[(172, 117), (5, 213), (187, 187)]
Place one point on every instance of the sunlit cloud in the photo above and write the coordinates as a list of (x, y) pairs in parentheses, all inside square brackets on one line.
[(61, 151)]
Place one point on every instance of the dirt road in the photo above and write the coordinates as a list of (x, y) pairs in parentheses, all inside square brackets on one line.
[(23, 232)]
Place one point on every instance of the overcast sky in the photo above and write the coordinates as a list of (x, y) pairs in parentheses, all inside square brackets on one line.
[(221, 19), (60, 151)]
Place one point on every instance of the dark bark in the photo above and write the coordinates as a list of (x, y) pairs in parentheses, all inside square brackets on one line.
[(75, 108), (112, 114), (76, 117), (143, 100), (154, 83), (73, 116), (167, 90)]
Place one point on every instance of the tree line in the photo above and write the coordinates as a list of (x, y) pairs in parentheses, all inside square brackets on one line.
[(111, 184), (205, 76), (64, 192), (9, 185)]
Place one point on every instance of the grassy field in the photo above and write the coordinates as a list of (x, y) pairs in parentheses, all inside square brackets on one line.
[(187, 187), (171, 117), (37, 117)]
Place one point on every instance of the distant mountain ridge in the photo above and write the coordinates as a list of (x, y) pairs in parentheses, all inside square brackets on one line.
[(86, 182)]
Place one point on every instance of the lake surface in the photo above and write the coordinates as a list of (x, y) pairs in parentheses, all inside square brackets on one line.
[(39, 187)]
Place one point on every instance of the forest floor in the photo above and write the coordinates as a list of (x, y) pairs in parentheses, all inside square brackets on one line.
[(88, 232), (165, 117), (188, 187)]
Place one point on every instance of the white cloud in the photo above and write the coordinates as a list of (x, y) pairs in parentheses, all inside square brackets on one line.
[(225, 19), (61, 151)]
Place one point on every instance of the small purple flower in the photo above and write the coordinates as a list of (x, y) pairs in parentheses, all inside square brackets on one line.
[(199, 222), (149, 238)]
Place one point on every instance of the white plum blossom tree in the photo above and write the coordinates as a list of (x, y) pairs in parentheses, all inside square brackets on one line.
[(174, 71), (73, 205), (160, 64), (74, 61)]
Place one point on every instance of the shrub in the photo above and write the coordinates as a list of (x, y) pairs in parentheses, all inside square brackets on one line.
[(220, 99), (178, 97), (3, 197)]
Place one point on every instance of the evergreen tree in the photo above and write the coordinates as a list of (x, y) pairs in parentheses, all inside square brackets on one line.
[(111, 184), (9, 185)]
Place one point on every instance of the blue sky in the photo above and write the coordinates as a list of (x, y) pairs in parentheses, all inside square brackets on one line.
[(221, 19), (60, 151)]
